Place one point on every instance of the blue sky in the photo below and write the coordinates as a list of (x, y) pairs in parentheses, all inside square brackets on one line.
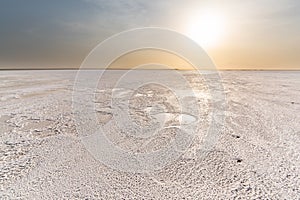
[(60, 33)]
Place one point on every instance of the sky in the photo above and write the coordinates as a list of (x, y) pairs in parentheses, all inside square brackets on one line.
[(236, 34)]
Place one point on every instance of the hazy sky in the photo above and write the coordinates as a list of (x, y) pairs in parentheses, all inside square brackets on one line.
[(60, 33)]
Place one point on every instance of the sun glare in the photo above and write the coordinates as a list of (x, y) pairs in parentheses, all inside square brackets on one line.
[(206, 29)]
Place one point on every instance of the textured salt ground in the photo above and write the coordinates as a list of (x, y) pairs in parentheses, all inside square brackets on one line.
[(256, 156)]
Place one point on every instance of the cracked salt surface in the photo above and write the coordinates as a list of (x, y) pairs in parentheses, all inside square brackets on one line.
[(256, 156)]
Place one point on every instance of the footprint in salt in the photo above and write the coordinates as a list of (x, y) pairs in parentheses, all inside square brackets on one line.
[(180, 118)]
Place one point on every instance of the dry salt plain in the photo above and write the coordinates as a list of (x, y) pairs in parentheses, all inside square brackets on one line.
[(255, 156)]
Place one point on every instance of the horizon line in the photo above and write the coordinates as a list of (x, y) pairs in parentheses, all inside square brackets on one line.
[(189, 69)]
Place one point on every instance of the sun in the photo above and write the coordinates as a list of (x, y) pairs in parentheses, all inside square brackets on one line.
[(206, 29)]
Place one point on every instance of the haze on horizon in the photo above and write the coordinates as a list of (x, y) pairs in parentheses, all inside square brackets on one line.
[(258, 34)]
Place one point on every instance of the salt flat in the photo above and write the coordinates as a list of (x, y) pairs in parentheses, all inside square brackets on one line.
[(256, 154)]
